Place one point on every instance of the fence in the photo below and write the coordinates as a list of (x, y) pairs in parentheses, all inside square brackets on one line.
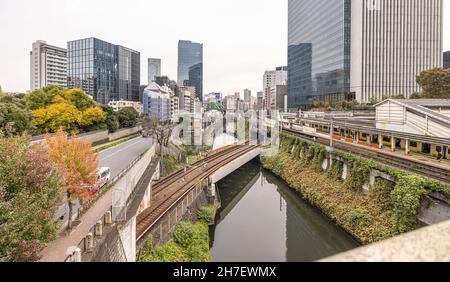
[(123, 188)]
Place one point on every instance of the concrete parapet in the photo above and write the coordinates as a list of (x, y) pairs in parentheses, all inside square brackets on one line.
[(429, 244)]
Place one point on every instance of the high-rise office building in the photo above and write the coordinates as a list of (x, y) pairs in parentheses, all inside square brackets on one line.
[(275, 77), (190, 56), (105, 71), (260, 100), (196, 79), (48, 65), (447, 60), (343, 49), (129, 74), (154, 69), (247, 96)]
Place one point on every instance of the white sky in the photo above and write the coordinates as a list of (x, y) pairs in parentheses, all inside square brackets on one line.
[(242, 38)]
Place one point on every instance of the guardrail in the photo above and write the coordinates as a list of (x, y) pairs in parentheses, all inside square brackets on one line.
[(81, 244)]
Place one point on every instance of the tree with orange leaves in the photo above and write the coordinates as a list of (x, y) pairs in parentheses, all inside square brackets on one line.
[(78, 165)]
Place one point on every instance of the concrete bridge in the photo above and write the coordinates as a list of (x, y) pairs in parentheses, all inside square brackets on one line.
[(178, 195)]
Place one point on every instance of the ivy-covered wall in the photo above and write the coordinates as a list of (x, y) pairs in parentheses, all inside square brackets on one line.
[(387, 210)]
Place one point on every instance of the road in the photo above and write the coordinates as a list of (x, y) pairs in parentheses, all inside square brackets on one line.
[(120, 157), (117, 159)]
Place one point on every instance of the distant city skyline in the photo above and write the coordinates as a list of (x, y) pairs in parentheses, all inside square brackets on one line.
[(236, 55)]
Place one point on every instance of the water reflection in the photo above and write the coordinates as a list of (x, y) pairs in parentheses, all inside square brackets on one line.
[(262, 219)]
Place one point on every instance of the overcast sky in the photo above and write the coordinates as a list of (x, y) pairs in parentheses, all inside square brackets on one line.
[(242, 38)]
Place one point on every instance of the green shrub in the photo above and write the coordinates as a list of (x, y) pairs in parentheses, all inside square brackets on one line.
[(406, 201), (198, 251), (171, 252), (184, 233), (358, 217), (206, 214)]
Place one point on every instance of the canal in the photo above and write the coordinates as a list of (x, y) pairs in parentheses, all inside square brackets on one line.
[(262, 219)]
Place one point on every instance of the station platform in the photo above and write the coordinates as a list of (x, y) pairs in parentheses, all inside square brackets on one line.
[(415, 157)]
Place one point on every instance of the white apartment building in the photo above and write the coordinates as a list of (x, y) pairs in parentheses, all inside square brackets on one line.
[(118, 105), (186, 102), (48, 65), (275, 77), (174, 107)]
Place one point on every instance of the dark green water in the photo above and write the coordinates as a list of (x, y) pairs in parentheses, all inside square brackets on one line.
[(263, 220)]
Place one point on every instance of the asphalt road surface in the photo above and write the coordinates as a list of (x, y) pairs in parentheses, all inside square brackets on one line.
[(120, 157)]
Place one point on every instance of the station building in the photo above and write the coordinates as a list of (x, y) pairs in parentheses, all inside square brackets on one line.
[(429, 117)]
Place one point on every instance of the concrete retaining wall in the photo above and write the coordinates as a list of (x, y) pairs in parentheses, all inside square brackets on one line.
[(186, 209), (97, 137), (118, 242), (125, 186)]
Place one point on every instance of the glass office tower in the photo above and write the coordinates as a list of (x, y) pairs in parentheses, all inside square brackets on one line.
[(196, 79), (105, 71), (129, 74), (363, 50), (154, 69), (190, 54), (319, 51), (447, 60)]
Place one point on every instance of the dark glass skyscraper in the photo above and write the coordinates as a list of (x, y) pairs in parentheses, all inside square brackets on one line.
[(196, 79), (190, 54), (319, 50), (363, 50), (105, 71), (447, 60)]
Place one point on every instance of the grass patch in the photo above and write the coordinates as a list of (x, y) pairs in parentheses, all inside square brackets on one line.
[(170, 165), (190, 244), (113, 144), (206, 214)]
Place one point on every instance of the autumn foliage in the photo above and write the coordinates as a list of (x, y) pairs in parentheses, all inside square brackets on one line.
[(77, 162), (29, 195), (78, 165)]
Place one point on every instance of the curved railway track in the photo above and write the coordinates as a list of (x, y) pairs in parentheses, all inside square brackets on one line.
[(166, 199), (163, 183), (420, 168)]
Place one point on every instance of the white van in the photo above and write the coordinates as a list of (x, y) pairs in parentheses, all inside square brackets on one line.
[(103, 176)]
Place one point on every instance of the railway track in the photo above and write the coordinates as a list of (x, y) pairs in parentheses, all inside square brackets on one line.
[(167, 198), (162, 184), (420, 168)]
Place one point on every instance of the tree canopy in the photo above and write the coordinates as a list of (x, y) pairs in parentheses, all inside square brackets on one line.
[(18, 118), (128, 117), (78, 165), (435, 83), (52, 108), (29, 195), (71, 110)]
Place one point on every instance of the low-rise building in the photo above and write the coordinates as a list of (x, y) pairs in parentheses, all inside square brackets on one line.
[(157, 102), (174, 107), (186, 102), (118, 105), (230, 103), (429, 117)]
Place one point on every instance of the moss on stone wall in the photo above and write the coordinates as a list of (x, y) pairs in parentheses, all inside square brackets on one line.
[(389, 209)]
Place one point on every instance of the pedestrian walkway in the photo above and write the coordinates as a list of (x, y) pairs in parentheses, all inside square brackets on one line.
[(56, 251)]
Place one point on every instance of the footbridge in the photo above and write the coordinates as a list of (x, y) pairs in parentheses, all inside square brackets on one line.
[(173, 196)]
